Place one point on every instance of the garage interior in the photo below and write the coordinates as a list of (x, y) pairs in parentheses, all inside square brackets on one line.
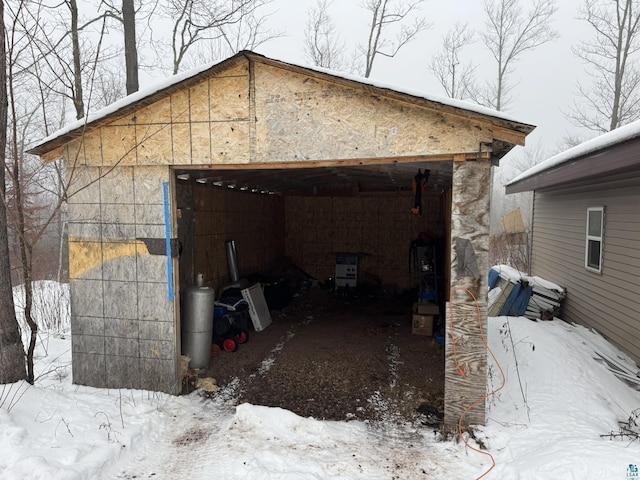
[(346, 352)]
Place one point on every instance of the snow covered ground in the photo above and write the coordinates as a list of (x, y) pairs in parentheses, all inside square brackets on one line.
[(550, 421)]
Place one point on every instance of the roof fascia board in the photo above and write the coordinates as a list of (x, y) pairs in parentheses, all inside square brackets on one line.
[(611, 161)]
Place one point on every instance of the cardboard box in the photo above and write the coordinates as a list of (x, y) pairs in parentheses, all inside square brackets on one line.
[(426, 309), (422, 325)]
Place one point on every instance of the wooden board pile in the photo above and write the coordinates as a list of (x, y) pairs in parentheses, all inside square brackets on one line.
[(514, 293), (621, 365)]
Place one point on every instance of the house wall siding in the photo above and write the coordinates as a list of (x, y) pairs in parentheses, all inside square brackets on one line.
[(608, 302)]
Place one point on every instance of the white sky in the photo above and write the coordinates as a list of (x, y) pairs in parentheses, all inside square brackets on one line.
[(545, 77)]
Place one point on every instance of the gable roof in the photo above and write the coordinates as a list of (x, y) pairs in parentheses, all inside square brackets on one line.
[(507, 128), (613, 153)]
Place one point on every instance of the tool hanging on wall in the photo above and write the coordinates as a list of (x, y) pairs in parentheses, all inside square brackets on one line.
[(418, 184)]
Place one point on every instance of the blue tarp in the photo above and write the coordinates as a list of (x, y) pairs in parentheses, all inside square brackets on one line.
[(494, 276), (518, 300)]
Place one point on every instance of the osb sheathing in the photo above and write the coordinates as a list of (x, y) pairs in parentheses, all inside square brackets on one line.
[(305, 118), (377, 228), (254, 222), (208, 123), (275, 115), (466, 325)]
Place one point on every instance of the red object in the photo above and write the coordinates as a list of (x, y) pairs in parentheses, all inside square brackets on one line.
[(242, 337), (230, 345)]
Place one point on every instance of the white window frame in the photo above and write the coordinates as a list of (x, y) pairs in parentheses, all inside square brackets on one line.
[(594, 238)]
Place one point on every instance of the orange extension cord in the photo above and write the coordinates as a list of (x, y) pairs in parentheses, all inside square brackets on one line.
[(462, 374)]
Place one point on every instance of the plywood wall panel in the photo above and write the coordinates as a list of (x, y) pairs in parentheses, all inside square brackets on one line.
[(229, 99), (118, 145), (159, 113), (199, 103), (181, 143), (230, 142), (180, 107), (200, 144), (303, 118), (154, 144)]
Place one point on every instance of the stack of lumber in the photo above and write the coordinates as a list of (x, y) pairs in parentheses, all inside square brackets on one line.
[(620, 364), (517, 294)]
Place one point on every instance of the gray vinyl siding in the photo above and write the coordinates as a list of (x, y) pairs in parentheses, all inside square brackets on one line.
[(608, 302)]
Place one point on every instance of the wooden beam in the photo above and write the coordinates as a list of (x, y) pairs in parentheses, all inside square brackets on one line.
[(339, 163), (510, 136), (465, 351), (53, 155)]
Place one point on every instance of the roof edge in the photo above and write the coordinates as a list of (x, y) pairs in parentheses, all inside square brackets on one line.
[(595, 146), (179, 81)]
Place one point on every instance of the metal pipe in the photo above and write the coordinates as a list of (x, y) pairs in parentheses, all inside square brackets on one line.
[(232, 260)]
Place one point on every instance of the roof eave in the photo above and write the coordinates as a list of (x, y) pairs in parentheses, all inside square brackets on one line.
[(595, 166), (504, 130)]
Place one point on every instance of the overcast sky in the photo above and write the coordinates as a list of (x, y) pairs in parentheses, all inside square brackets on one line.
[(546, 77)]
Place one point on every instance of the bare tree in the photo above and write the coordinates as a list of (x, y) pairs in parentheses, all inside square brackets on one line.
[(385, 15), (456, 78), (28, 59), (198, 20), (250, 32), (12, 357), (126, 16), (509, 33), (130, 45), (613, 97), (55, 37), (322, 45)]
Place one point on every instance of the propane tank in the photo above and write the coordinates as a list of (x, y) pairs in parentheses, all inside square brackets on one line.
[(197, 323)]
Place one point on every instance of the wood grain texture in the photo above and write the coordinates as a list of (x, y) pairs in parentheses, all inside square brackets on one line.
[(304, 118), (465, 354)]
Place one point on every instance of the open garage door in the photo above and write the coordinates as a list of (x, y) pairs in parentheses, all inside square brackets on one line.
[(338, 349)]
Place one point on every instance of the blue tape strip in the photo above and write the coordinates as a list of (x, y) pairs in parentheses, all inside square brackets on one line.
[(167, 230)]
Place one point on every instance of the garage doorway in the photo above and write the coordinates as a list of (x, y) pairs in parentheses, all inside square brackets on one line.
[(330, 352)]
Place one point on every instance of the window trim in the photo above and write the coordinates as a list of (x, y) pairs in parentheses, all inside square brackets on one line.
[(597, 238)]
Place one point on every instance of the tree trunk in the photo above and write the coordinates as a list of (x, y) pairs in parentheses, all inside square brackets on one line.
[(11, 348), (78, 94), (130, 49)]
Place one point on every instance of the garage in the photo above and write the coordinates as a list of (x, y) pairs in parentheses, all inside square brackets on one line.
[(335, 349), (288, 162)]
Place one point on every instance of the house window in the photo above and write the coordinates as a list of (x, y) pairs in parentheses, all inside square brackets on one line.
[(595, 228)]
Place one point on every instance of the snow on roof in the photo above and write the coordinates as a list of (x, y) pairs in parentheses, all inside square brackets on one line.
[(176, 79), (123, 102), (452, 102), (619, 135)]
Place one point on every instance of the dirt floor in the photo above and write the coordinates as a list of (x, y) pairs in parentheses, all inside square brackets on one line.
[(338, 358)]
